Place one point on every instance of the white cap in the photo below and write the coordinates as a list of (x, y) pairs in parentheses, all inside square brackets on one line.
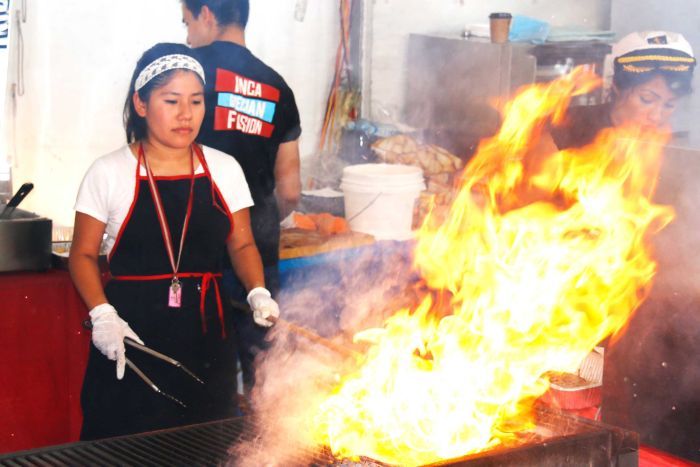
[(644, 40)]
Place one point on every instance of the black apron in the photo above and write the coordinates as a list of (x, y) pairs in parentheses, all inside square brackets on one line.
[(198, 334)]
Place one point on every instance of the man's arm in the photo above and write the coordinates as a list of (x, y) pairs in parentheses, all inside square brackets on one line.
[(287, 177)]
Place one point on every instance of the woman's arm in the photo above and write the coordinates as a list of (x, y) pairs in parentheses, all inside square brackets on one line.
[(108, 329), (243, 252), (83, 259)]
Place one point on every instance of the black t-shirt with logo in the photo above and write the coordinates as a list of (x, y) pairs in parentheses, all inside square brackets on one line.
[(250, 111)]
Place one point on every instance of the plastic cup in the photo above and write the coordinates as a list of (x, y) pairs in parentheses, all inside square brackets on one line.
[(500, 27)]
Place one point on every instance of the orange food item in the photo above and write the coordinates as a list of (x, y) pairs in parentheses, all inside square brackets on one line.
[(328, 224), (323, 223), (303, 221), (340, 225)]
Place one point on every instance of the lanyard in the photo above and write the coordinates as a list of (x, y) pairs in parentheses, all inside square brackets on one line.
[(167, 238)]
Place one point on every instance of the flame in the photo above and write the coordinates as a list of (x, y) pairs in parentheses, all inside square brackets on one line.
[(544, 255)]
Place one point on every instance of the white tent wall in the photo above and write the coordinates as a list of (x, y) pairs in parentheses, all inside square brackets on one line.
[(78, 59), (79, 55), (5, 22)]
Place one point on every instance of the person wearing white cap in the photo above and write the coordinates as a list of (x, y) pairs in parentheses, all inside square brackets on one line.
[(651, 381), (653, 70)]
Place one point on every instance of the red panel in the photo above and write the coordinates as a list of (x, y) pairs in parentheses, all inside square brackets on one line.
[(43, 350), (650, 457)]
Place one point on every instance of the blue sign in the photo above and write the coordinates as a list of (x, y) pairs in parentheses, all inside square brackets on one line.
[(4, 23)]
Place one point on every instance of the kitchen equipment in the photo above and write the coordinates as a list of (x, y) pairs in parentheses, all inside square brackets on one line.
[(588, 392), (130, 342), (161, 356), (25, 238), (25, 242), (302, 331), (355, 146), (322, 200), (379, 198), (16, 199), (555, 60), (165, 358), (457, 113), (558, 439)]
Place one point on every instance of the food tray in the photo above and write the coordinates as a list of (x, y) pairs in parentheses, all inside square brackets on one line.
[(584, 395), (573, 398)]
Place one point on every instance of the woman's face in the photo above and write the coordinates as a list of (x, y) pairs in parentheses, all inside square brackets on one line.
[(174, 111), (648, 105)]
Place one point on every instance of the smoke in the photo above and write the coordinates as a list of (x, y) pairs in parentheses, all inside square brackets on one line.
[(679, 271), (651, 372), (350, 291)]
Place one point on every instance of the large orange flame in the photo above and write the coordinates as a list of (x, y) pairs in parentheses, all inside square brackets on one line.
[(542, 257)]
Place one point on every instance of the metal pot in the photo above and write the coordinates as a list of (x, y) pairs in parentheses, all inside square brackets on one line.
[(25, 237), (25, 242)]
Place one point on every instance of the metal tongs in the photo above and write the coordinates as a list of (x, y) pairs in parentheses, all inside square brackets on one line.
[(88, 325), (163, 357)]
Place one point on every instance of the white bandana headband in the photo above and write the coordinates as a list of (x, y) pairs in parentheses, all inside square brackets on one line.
[(167, 63)]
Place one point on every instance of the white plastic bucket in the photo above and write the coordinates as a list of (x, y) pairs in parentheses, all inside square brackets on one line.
[(379, 198)]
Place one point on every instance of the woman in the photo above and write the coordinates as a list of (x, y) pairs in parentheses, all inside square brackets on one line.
[(651, 371), (167, 208), (652, 72)]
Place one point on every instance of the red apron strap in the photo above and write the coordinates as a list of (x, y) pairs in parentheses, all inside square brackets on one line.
[(207, 279)]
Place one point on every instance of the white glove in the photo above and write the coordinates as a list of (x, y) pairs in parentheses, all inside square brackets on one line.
[(108, 333), (263, 306)]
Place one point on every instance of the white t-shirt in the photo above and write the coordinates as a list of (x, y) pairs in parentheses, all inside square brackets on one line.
[(107, 190)]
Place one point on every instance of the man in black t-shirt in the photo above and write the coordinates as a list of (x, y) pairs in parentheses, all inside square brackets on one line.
[(251, 114)]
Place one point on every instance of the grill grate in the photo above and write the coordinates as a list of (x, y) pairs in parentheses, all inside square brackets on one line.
[(558, 439), (204, 444)]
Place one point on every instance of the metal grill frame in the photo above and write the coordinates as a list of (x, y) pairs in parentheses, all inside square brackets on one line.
[(574, 441)]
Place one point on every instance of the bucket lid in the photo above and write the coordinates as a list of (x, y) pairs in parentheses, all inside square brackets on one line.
[(383, 175)]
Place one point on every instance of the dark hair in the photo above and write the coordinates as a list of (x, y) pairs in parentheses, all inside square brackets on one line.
[(135, 125), (227, 12), (680, 85), (652, 63)]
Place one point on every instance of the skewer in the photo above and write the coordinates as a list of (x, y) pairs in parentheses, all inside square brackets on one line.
[(313, 337), (304, 332)]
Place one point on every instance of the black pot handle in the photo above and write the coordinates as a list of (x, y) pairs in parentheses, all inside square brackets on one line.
[(16, 199)]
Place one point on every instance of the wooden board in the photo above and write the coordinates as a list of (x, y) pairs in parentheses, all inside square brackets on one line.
[(295, 243)]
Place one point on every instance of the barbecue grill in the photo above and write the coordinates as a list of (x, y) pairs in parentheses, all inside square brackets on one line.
[(558, 439)]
